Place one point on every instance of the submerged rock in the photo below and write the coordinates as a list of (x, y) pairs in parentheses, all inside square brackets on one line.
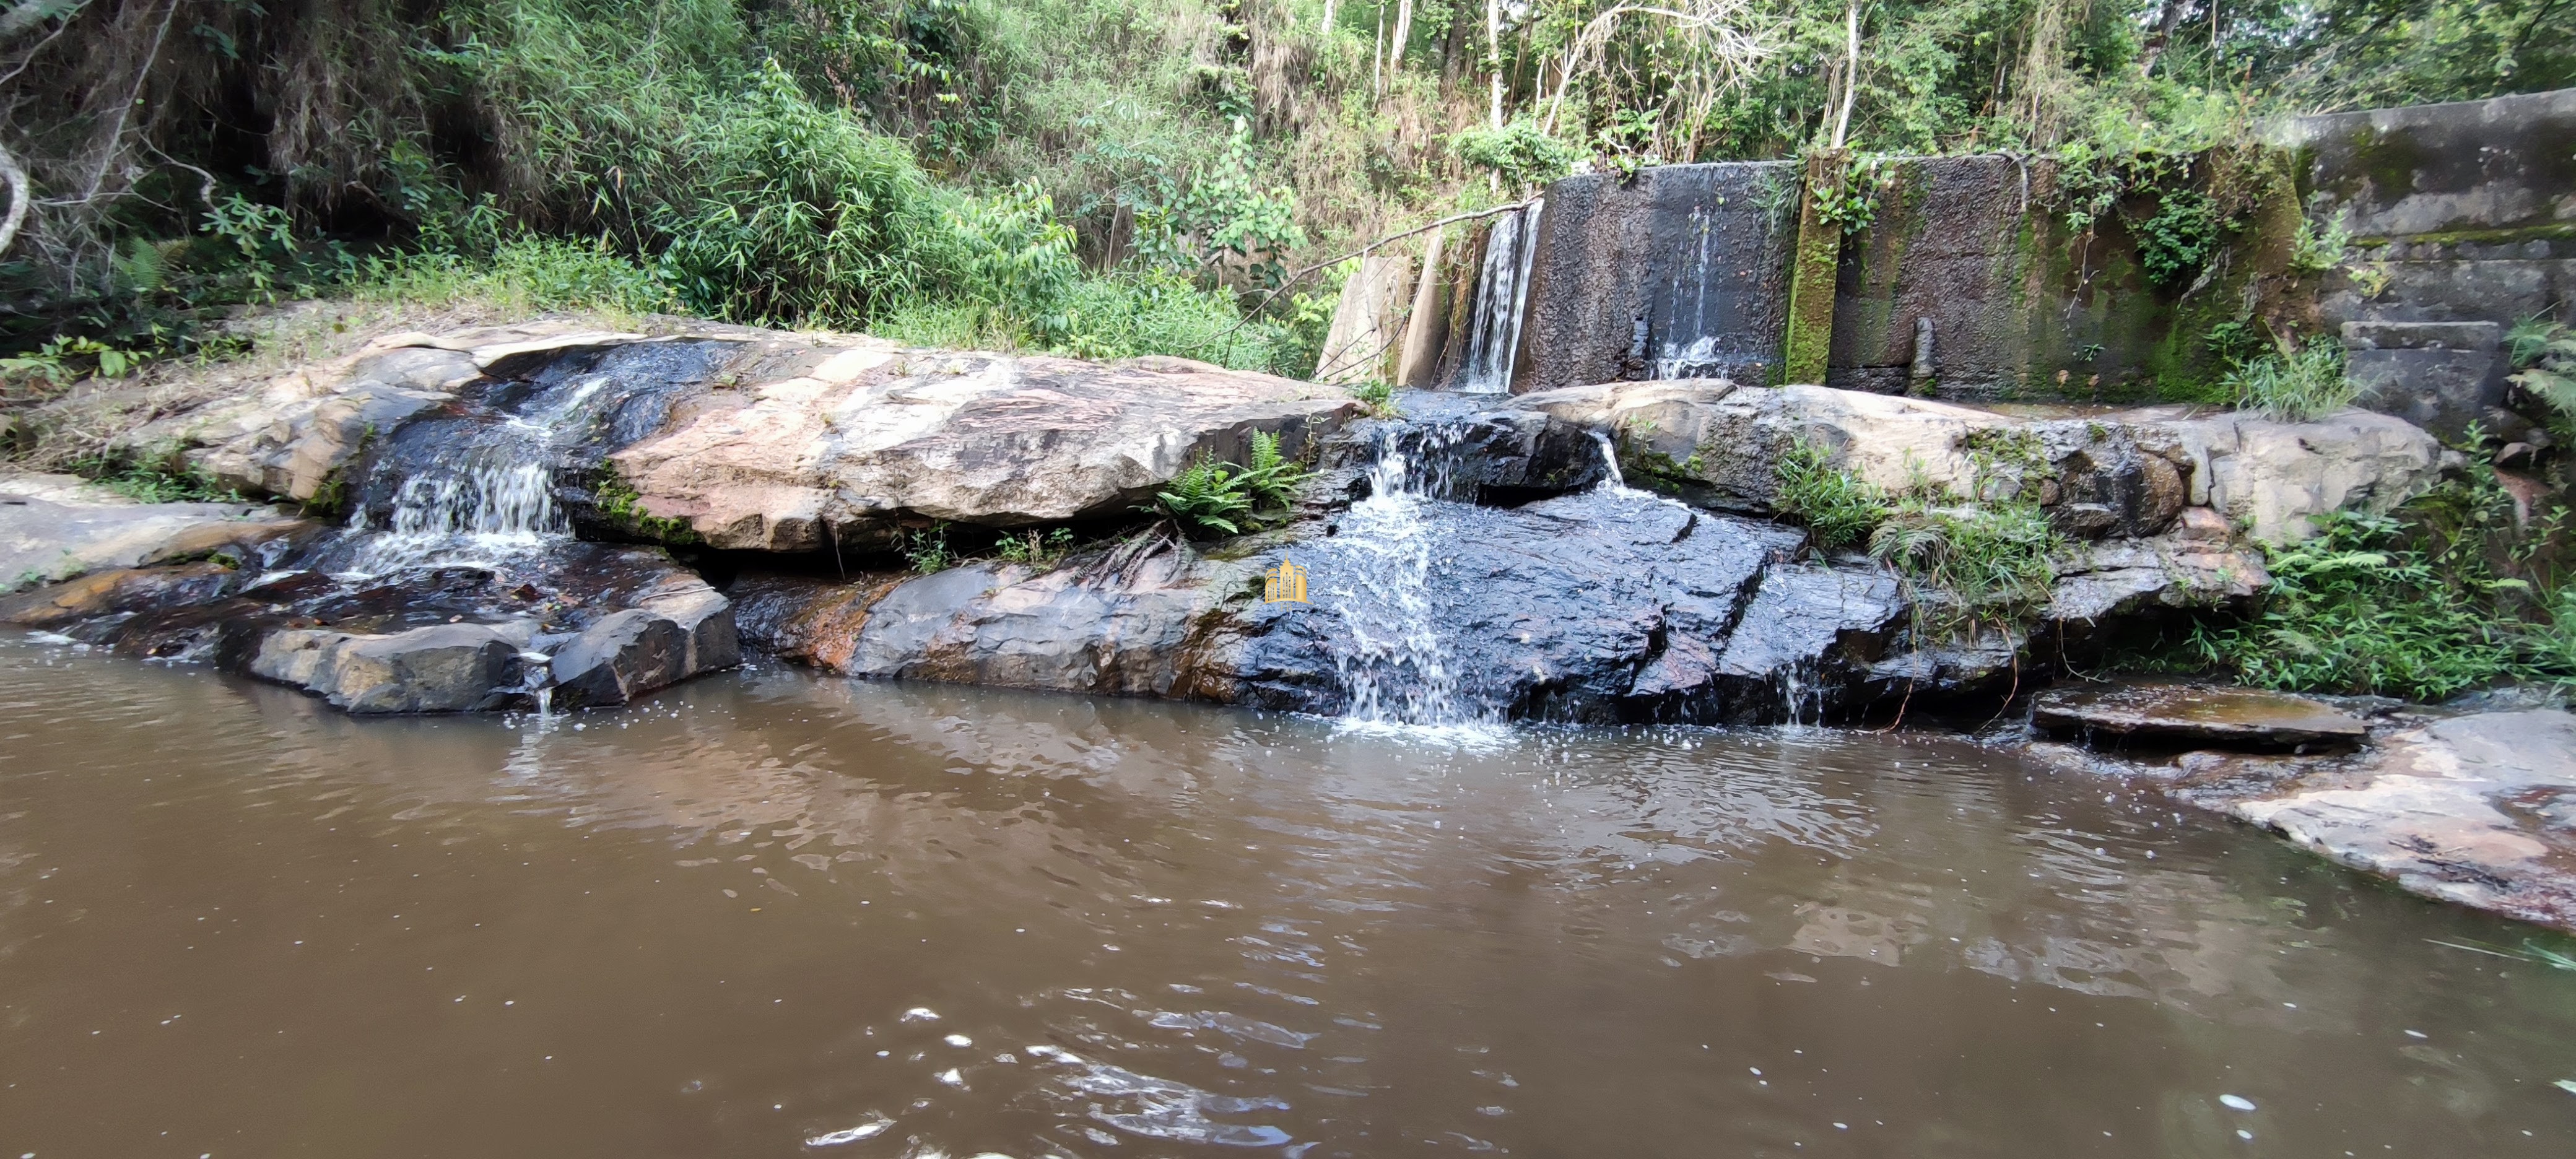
[(2479, 810), (2190, 715)]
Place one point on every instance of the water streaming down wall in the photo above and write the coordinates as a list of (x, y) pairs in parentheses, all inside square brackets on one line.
[(1678, 272), (1501, 302), (1432, 589)]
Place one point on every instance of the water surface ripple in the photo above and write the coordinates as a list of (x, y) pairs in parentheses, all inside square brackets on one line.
[(766, 914)]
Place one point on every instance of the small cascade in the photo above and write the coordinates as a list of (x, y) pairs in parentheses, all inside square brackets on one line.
[(479, 488), (1395, 668), (1502, 298)]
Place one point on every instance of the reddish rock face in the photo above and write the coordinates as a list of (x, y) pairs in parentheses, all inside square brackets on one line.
[(2479, 809), (845, 441)]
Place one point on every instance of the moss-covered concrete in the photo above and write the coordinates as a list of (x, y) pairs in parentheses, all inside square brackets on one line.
[(1807, 348)]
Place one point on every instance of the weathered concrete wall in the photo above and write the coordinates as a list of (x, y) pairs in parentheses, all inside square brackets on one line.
[(1697, 253), (2464, 222), (2015, 298), (2464, 219)]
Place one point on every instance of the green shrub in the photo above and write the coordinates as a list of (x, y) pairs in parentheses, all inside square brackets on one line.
[(1839, 508), (2293, 386), (802, 214), (2543, 352), (2452, 593), (927, 549), (1521, 153), (1042, 549), (1207, 496), (2357, 610)]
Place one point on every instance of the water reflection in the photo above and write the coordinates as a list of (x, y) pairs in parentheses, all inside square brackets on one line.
[(774, 915)]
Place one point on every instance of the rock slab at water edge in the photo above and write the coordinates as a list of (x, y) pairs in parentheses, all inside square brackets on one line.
[(2479, 810), (2193, 715)]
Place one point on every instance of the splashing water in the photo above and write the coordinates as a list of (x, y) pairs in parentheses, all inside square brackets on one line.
[(488, 497), (1502, 297), (1396, 669)]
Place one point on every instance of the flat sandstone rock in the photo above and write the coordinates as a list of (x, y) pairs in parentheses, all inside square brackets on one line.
[(2184, 714), (2479, 810)]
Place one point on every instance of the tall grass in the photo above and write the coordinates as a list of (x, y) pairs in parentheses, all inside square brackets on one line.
[(2293, 385)]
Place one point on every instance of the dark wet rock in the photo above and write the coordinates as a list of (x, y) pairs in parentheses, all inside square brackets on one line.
[(678, 629), (1807, 621), (292, 438), (2188, 715), (621, 621), (443, 668), (2479, 810), (57, 527)]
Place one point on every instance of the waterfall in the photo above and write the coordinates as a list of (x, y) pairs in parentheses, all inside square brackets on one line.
[(1687, 349), (483, 492), (1395, 669), (1502, 297)]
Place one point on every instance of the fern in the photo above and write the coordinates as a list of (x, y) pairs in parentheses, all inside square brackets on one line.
[(1207, 496), (2544, 361), (1272, 479)]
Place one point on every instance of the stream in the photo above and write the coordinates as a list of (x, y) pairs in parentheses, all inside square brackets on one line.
[(766, 913)]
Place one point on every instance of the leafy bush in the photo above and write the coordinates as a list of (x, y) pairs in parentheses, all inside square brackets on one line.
[(2177, 242), (2354, 610), (2293, 386), (927, 549), (2544, 361), (1207, 496), (2451, 593), (802, 214), (1839, 508), (1033, 547), (2314, 251), (1521, 153)]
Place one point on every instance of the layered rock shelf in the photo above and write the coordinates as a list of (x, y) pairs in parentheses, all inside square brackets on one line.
[(1518, 577)]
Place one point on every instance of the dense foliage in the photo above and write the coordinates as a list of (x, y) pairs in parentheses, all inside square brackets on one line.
[(2446, 596), (1101, 176)]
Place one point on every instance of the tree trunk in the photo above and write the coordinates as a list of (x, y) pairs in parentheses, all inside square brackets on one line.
[(1494, 62)]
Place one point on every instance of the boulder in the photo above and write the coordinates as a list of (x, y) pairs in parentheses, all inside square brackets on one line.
[(2191, 715), (2195, 568), (678, 629), (57, 527), (1719, 445), (2478, 809), (442, 668), (850, 440), (2275, 479), (291, 437)]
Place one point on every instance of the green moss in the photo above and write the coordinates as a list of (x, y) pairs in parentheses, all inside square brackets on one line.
[(620, 506), (1813, 265), (2561, 231)]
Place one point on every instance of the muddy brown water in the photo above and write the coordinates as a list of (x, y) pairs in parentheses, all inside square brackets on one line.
[(773, 915)]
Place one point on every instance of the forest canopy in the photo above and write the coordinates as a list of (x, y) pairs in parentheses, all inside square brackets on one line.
[(1098, 176)]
